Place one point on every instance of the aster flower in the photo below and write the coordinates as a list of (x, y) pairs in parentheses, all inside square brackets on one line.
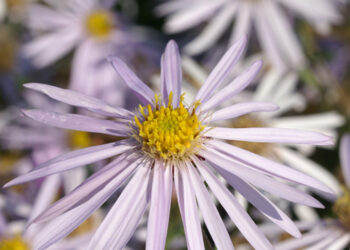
[(170, 143), (274, 30), (94, 31), (328, 233)]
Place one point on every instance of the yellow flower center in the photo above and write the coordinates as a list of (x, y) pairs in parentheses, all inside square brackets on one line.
[(247, 121), (168, 133), (342, 208), (13, 4), (14, 243), (8, 51), (100, 24), (79, 139)]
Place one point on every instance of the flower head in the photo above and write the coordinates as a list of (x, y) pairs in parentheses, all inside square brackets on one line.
[(170, 143), (273, 28)]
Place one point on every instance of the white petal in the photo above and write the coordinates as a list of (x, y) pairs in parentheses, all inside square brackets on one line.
[(243, 22), (213, 31), (301, 163), (340, 243), (193, 14)]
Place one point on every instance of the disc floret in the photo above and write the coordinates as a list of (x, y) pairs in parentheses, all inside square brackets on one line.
[(342, 208), (166, 132), (100, 24), (14, 243)]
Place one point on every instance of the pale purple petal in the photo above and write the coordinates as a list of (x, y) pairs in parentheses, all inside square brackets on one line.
[(270, 135), (120, 169), (210, 214), (172, 71), (80, 100), (160, 206), (260, 180), (42, 17), (122, 219), (140, 89), (46, 195), (236, 86), (65, 162), (264, 205), (66, 223), (78, 122), (240, 109), (189, 210), (40, 51), (345, 157), (237, 214), (163, 86), (221, 70)]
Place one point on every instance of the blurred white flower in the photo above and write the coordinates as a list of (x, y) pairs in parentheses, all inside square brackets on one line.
[(269, 18), (330, 234), (280, 88)]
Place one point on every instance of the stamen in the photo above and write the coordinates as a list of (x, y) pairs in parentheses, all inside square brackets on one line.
[(166, 132)]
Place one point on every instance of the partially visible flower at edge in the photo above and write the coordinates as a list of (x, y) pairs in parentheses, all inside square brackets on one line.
[(273, 27), (326, 233)]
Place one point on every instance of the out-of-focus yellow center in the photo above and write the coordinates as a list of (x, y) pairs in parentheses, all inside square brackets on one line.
[(79, 139), (167, 132), (13, 4), (100, 24), (247, 121), (14, 243), (8, 50), (342, 208)]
